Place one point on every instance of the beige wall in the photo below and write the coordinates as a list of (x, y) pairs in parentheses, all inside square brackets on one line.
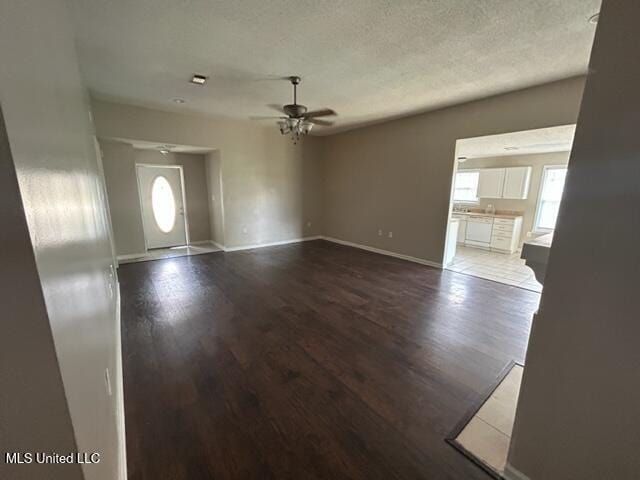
[(527, 206), (396, 176), (213, 165), (579, 406), (57, 167), (33, 407), (270, 186), (196, 191), (119, 162)]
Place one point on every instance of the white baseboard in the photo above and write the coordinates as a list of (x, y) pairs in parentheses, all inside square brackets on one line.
[(206, 242), (512, 473), (384, 252), (389, 253), (271, 244), (217, 245), (129, 256), (120, 426)]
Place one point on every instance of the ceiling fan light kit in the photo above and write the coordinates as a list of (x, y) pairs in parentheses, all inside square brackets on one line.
[(299, 121), (295, 127)]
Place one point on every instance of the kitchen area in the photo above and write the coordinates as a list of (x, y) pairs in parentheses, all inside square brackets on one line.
[(506, 193)]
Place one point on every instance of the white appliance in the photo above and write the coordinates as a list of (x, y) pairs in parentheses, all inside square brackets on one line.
[(479, 231), (452, 238), (462, 228)]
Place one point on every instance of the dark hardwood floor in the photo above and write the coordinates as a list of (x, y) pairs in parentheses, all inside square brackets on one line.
[(308, 361)]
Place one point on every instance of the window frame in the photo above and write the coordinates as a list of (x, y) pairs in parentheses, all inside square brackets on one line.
[(536, 218), (453, 194)]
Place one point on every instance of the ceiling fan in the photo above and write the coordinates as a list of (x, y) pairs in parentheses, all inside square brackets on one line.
[(298, 121)]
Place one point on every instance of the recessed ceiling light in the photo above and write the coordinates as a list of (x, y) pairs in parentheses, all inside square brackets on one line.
[(164, 149), (179, 100), (593, 19), (199, 79)]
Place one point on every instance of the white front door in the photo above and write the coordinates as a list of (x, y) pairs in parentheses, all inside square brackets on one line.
[(162, 206)]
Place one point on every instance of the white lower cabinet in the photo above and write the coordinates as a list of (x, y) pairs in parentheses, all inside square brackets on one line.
[(505, 235), (501, 243), (489, 232)]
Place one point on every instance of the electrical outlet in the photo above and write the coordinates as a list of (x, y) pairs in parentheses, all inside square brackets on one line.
[(379, 233), (244, 230), (107, 381), (308, 224), (390, 235)]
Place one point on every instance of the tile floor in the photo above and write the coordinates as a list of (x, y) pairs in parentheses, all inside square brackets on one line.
[(499, 267), (488, 433), (172, 252)]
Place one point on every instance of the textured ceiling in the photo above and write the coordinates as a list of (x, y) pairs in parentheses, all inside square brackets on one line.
[(541, 140), (367, 59)]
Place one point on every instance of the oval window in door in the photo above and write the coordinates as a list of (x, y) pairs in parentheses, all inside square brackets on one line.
[(163, 204)]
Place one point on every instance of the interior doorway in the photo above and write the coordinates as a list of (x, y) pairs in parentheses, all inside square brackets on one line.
[(162, 201), (506, 194)]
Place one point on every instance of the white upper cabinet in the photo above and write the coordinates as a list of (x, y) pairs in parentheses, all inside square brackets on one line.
[(516, 182), (491, 182), (511, 182)]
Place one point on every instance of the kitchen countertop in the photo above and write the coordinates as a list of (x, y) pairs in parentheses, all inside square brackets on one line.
[(544, 241), (493, 215), (536, 255)]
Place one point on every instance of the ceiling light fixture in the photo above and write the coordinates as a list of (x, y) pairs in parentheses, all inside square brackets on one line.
[(179, 100), (593, 19), (297, 127), (165, 149), (199, 79), (299, 121)]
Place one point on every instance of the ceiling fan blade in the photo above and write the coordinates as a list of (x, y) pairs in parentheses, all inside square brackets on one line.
[(276, 107), (265, 117), (325, 112), (317, 121)]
